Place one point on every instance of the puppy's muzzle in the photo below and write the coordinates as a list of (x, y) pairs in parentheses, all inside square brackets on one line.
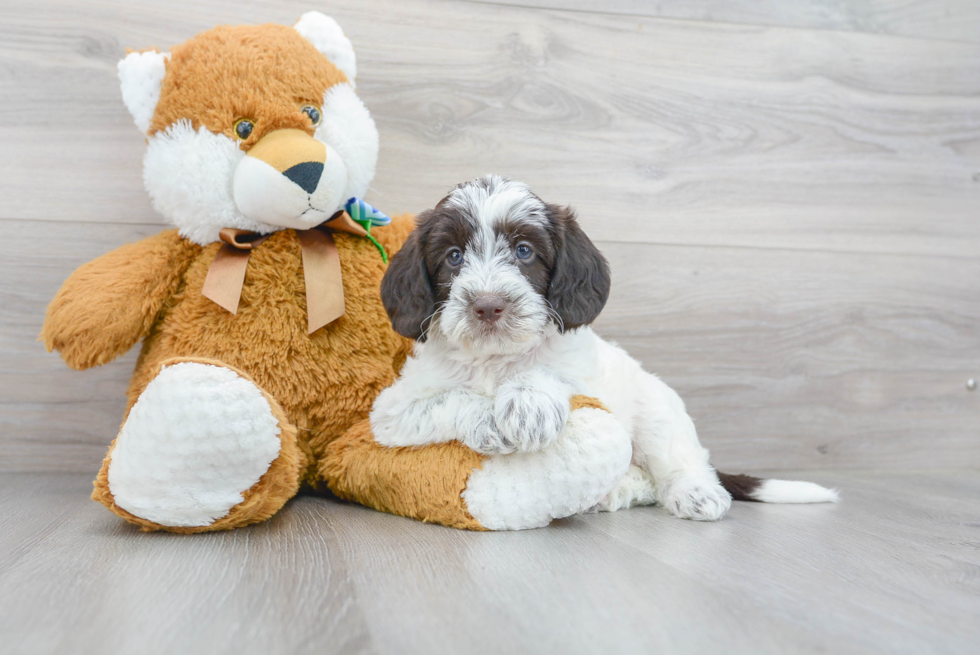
[(489, 308)]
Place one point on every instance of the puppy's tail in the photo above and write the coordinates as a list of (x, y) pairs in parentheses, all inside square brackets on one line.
[(746, 487)]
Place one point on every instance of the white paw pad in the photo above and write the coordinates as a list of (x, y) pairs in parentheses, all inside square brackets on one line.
[(697, 500), (197, 437)]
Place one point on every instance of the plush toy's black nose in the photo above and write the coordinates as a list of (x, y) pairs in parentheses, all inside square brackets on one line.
[(306, 175), (489, 308)]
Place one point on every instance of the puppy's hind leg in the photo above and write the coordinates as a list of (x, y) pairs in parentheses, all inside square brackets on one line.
[(636, 488), (666, 446)]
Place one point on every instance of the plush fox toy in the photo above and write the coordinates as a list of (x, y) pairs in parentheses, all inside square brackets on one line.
[(264, 337)]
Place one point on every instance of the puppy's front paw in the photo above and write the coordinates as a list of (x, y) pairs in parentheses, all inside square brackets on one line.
[(529, 418), (486, 438), (698, 500)]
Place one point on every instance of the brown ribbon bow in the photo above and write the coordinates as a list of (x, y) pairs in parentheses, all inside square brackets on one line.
[(321, 269)]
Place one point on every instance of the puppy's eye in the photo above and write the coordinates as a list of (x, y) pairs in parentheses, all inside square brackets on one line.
[(523, 251), (243, 128), (454, 257), (314, 114)]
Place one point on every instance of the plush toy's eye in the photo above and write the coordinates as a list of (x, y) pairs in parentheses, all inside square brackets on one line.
[(454, 257), (313, 113), (523, 251), (243, 128)]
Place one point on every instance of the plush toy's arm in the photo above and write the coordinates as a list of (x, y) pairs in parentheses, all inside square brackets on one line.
[(110, 303), (393, 235), (451, 484)]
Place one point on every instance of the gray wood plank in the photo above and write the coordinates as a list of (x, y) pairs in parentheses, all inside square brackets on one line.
[(752, 168), (50, 416), (787, 359), (680, 132), (948, 20), (890, 569), (111, 589)]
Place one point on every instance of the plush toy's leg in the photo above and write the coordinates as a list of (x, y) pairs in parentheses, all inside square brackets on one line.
[(450, 484), (422, 483), (203, 448)]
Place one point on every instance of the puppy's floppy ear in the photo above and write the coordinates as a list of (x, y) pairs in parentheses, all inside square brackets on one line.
[(580, 277), (406, 290)]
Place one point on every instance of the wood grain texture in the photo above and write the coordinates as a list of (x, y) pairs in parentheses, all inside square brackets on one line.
[(892, 569), (791, 214), (786, 359), (698, 133), (808, 359), (947, 20)]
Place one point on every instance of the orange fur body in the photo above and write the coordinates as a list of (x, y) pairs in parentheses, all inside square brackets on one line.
[(322, 383)]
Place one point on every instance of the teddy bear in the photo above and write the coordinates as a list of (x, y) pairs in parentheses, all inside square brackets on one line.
[(264, 339)]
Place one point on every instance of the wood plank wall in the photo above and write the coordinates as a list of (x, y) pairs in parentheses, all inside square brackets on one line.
[(789, 194)]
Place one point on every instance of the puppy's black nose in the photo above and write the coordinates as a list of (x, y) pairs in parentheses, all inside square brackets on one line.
[(489, 308)]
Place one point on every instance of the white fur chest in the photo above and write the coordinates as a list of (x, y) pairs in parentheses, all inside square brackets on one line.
[(573, 356)]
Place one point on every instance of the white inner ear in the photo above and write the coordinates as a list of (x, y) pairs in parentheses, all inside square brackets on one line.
[(140, 76), (327, 37)]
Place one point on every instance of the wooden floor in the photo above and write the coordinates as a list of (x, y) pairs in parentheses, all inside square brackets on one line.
[(895, 568)]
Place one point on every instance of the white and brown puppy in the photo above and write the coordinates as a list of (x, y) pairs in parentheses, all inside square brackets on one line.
[(498, 288)]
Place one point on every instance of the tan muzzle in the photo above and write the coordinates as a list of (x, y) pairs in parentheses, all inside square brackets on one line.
[(295, 154), (289, 179)]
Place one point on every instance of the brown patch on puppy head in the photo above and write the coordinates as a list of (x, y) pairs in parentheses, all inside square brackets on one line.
[(265, 73), (419, 276), (407, 291), (580, 277), (536, 268), (445, 227)]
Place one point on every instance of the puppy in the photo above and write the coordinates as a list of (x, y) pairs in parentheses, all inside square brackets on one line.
[(498, 289)]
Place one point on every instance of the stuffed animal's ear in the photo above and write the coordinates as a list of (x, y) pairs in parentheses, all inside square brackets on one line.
[(580, 278), (327, 37), (406, 290), (140, 77)]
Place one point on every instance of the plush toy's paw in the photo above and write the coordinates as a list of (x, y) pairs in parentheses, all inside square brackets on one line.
[(196, 444), (528, 418), (530, 489), (696, 498)]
